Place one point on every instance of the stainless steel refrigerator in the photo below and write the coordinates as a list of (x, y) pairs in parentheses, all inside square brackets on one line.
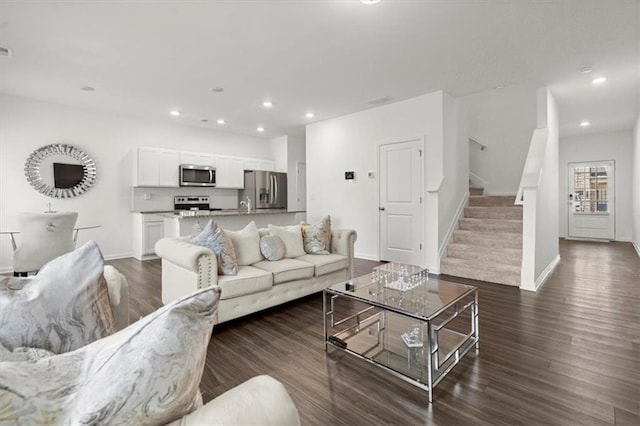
[(267, 190)]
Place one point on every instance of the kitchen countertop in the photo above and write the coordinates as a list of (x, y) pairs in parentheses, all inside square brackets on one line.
[(185, 214)]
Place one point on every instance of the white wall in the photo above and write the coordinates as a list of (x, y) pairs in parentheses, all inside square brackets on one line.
[(453, 192), (636, 185), (26, 125), (350, 143), (503, 120), (617, 146), (547, 213)]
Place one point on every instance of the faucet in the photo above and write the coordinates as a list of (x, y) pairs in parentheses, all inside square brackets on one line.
[(246, 203)]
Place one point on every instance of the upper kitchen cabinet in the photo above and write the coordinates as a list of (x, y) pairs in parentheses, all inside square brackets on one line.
[(156, 167), (259, 164), (229, 172), (198, 159)]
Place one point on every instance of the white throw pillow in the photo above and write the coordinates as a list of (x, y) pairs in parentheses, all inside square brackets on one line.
[(148, 373), (291, 236), (63, 308), (246, 243)]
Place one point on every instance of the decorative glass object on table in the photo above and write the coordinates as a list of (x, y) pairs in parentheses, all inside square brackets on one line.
[(399, 276)]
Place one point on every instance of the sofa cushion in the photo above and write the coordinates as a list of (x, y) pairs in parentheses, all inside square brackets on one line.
[(272, 247), (214, 238), (247, 244), (286, 270), (327, 263), (248, 280), (148, 373), (292, 238), (317, 237), (63, 308)]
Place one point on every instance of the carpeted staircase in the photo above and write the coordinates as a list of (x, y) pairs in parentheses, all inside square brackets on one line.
[(487, 245)]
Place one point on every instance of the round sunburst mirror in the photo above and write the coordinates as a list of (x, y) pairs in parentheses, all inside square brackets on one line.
[(60, 171)]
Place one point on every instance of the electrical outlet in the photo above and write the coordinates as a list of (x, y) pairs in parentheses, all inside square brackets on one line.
[(147, 195)]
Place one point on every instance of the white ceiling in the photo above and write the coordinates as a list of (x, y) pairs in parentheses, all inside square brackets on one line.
[(145, 58)]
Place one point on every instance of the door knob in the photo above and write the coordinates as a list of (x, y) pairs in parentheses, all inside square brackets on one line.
[(381, 209)]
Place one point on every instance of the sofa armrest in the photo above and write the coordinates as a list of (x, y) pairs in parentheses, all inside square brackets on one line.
[(342, 242), (186, 267), (260, 400), (118, 296)]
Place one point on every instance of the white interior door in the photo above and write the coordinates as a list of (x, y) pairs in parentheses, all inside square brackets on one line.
[(401, 202), (591, 200), (301, 186)]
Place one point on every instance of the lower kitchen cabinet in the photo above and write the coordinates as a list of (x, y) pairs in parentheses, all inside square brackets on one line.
[(147, 230)]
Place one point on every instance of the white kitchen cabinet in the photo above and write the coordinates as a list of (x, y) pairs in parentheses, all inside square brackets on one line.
[(229, 172), (198, 159), (147, 230), (259, 164), (156, 167)]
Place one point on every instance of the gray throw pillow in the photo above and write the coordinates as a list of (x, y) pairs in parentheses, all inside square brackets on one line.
[(63, 308), (146, 374), (317, 237), (272, 247), (213, 237)]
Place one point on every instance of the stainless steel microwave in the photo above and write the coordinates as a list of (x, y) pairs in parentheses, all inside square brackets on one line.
[(194, 175)]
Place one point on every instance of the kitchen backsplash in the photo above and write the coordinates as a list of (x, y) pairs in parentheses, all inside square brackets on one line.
[(157, 199)]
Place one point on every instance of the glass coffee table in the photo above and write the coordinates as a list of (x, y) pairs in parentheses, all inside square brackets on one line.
[(417, 328)]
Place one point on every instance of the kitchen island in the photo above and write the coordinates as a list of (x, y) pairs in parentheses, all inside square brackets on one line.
[(183, 223)]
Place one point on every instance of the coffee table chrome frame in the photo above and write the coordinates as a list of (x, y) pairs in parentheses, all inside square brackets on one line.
[(430, 336)]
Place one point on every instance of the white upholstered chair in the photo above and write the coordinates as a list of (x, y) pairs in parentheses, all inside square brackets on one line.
[(43, 237)]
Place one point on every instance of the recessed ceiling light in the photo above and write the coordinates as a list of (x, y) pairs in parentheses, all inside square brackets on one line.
[(175, 113), (309, 115), (260, 129), (586, 70), (500, 86), (220, 121), (584, 123), (599, 80), (217, 89), (369, 1), (87, 88), (267, 104)]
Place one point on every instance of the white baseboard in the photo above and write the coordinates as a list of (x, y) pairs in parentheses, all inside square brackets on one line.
[(502, 194), (118, 256), (6, 269), (542, 278), (637, 247), (453, 225), (366, 256)]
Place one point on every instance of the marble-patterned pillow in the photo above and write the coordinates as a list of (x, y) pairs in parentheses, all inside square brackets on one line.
[(272, 247), (317, 237), (247, 244), (291, 237), (146, 374), (213, 237), (63, 308)]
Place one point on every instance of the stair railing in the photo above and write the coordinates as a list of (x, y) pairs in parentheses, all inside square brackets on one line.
[(482, 146), (533, 166)]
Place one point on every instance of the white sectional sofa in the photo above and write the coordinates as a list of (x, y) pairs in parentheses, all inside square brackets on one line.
[(187, 268)]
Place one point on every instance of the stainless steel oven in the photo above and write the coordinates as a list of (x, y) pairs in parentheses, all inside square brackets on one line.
[(194, 175)]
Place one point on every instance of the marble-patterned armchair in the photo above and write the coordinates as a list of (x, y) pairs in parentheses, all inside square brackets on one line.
[(148, 372)]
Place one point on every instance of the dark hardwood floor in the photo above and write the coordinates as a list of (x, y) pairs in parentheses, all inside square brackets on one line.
[(568, 354)]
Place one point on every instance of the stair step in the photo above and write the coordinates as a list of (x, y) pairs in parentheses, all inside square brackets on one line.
[(476, 190), (491, 225), (494, 212), (488, 239), (479, 270), (488, 255), (492, 200)]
